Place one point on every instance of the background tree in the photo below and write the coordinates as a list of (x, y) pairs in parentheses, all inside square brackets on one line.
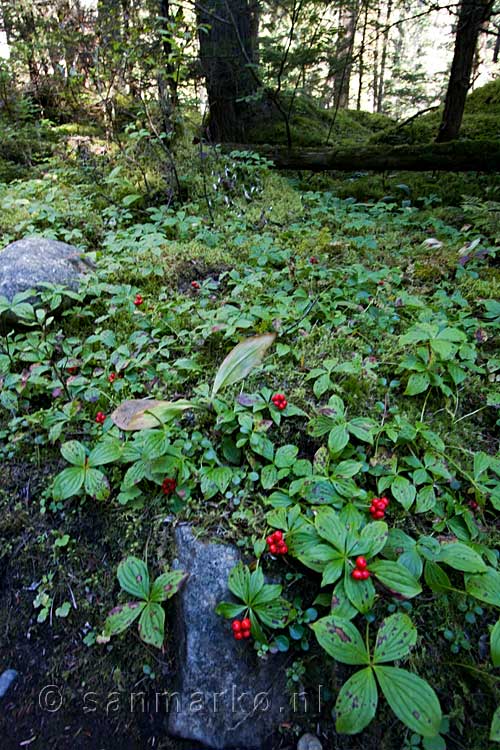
[(472, 15)]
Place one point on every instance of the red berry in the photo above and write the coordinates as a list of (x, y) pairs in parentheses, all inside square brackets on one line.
[(270, 540), (279, 401), (278, 536), (313, 260), (273, 549), (73, 369), (473, 505), (236, 625), (112, 377), (138, 300), (246, 624), (361, 563), (100, 417), (283, 549), (195, 285), (357, 574), (238, 635), (168, 486), (385, 500), (246, 634), (364, 574), (378, 514)]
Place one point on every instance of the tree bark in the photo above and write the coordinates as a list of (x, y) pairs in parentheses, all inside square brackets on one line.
[(343, 60), (472, 15), (457, 156), (228, 50)]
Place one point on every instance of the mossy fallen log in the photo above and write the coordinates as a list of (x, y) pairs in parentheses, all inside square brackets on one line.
[(455, 156)]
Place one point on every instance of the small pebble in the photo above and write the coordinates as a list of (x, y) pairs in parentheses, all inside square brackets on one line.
[(309, 742), (7, 679)]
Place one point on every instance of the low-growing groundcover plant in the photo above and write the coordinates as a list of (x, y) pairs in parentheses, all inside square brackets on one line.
[(134, 579), (356, 468)]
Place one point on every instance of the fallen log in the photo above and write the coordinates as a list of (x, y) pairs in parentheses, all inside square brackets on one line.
[(454, 156)]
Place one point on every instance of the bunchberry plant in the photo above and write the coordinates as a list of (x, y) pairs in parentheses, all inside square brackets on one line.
[(134, 579)]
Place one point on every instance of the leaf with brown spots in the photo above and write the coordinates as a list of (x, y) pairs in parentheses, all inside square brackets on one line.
[(134, 577), (152, 624), (411, 698), (396, 635), (341, 640), (356, 703)]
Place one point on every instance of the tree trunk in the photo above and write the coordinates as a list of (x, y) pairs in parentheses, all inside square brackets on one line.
[(343, 60), (362, 57), (472, 15), (457, 156), (383, 61), (228, 50)]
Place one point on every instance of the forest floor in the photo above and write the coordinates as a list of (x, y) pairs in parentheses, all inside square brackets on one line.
[(356, 274)]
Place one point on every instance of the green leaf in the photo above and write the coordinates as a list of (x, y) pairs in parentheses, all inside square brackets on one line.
[(63, 610), (356, 703), (495, 644), (274, 614), (485, 586), (417, 383), (105, 452), (338, 439), (436, 578), (396, 577), (285, 456), (166, 585), (340, 605), (222, 476), (147, 413), (461, 557), (242, 360), (96, 484), (333, 570), (396, 635), (341, 640), (361, 594), (403, 491), (239, 582), (411, 698), (152, 624), (74, 453), (121, 617), (267, 593), (256, 585), (495, 726), (329, 527), (68, 483), (229, 609), (362, 428), (133, 577), (373, 538), (268, 476)]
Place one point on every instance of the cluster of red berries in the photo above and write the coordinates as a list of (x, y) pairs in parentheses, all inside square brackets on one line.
[(313, 260), (276, 544), (168, 486), (100, 417), (378, 507), (195, 285), (241, 628), (279, 401), (361, 572), (112, 377), (138, 300)]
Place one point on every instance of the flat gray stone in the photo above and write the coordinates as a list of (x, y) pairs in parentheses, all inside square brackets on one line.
[(30, 262), (7, 679), (226, 696), (309, 742)]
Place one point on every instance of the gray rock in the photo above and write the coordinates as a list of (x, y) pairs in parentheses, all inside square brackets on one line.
[(309, 742), (226, 696), (7, 679), (28, 263)]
